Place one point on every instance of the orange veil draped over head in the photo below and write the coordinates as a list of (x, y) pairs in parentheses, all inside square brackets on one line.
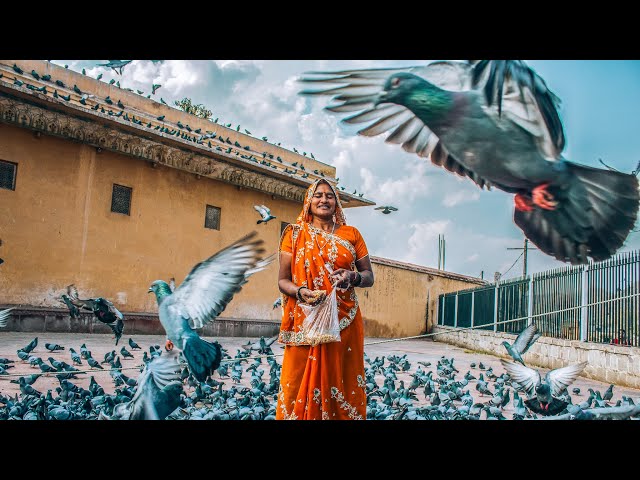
[(325, 381)]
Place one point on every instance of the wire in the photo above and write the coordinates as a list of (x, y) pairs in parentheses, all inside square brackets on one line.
[(503, 274)]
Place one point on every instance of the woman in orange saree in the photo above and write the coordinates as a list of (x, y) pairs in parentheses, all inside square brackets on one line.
[(325, 381)]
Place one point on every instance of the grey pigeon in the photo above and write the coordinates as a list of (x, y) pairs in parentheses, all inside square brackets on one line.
[(569, 211), (158, 393), (277, 303), (134, 345), (543, 394), (202, 296), (264, 212), (524, 340), (74, 312), (387, 209), (53, 347), (31, 345)]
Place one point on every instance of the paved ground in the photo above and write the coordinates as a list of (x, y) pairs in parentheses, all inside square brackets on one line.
[(421, 350)]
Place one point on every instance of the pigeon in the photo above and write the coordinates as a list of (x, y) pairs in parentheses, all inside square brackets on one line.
[(116, 65), (102, 308), (264, 212), (158, 393), (125, 353), (32, 344), (74, 312), (53, 347), (4, 316), (387, 209), (277, 303), (134, 345), (569, 211), (543, 394), (202, 296), (608, 394), (524, 340), (623, 412)]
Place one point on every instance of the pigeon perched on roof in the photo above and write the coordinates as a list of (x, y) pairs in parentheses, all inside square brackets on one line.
[(102, 308), (524, 340), (543, 393), (387, 209), (264, 212), (441, 111), (202, 296)]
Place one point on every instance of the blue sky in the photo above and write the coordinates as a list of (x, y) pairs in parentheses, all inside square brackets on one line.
[(600, 111)]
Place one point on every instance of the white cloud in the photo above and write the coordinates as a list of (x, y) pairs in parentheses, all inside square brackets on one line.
[(457, 197)]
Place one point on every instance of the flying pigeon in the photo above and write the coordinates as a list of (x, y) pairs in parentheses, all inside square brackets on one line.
[(387, 209), (4, 316), (74, 312), (202, 296), (102, 308), (543, 394), (264, 212), (158, 393), (524, 340), (441, 111), (116, 65), (277, 303)]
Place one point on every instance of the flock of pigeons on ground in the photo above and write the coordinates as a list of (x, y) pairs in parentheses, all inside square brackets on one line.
[(245, 387)]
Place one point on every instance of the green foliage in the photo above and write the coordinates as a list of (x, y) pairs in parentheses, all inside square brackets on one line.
[(199, 110)]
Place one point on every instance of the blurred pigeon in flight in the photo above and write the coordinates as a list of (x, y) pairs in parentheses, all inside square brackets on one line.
[(4, 316), (202, 296), (543, 394), (277, 303), (116, 65), (264, 212), (158, 393), (569, 211), (524, 340), (102, 308), (74, 312), (387, 209)]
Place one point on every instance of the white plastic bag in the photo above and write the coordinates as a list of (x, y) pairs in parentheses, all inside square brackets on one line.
[(321, 323)]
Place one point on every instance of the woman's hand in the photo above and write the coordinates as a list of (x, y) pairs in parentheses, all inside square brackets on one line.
[(345, 278), (311, 297)]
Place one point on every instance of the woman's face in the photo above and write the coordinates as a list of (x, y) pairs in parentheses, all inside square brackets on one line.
[(323, 203)]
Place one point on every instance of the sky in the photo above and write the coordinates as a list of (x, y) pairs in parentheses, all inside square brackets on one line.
[(600, 112)]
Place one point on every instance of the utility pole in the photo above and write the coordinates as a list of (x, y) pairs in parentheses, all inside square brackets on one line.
[(441, 251), (526, 248)]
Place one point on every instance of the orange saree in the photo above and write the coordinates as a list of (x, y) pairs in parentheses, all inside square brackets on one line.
[(326, 381)]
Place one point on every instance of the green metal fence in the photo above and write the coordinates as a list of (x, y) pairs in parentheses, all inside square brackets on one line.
[(598, 302)]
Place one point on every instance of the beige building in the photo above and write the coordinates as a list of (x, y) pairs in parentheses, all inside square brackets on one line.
[(112, 198)]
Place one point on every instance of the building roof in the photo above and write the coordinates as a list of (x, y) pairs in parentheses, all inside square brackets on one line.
[(429, 270), (164, 135)]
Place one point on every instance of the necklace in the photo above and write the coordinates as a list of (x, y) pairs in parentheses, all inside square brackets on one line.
[(327, 240)]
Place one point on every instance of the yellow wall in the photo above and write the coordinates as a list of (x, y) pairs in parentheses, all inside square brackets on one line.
[(57, 227), (396, 305)]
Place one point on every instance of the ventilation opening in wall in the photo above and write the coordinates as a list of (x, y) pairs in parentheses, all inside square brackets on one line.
[(8, 175), (212, 218), (121, 199)]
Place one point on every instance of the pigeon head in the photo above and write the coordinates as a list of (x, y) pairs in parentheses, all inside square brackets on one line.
[(161, 289), (543, 393), (400, 87)]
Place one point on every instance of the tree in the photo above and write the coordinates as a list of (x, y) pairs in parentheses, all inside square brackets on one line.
[(199, 110)]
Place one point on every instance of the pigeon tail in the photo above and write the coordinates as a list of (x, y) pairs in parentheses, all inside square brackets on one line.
[(203, 357), (596, 211), (260, 221)]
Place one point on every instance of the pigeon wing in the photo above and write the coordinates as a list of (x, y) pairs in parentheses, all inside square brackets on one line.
[(211, 284), (614, 413), (4, 316), (524, 337), (526, 377), (563, 377), (262, 210), (72, 293), (357, 91), (158, 373)]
